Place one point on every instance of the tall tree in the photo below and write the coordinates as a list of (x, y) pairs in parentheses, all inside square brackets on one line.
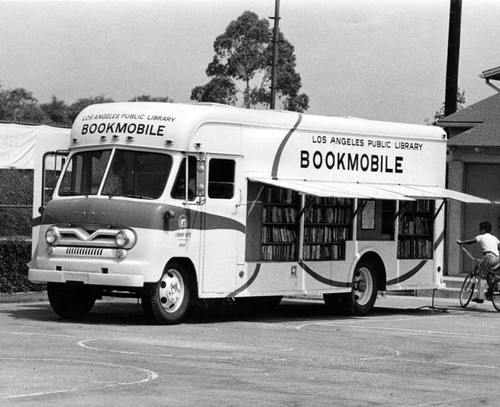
[(19, 105), (242, 66)]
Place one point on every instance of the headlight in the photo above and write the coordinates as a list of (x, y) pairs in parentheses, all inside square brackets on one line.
[(125, 238), (52, 236), (121, 238)]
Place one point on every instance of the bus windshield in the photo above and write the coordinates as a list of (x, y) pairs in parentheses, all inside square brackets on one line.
[(137, 174)]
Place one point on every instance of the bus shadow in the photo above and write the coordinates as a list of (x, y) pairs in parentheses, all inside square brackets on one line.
[(131, 313)]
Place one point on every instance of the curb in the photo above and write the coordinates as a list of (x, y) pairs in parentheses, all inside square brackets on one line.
[(23, 297)]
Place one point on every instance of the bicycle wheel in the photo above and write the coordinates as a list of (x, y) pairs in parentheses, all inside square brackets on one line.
[(467, 290), (495, 298)]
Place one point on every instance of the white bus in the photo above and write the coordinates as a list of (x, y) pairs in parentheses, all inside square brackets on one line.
[(176, 203)]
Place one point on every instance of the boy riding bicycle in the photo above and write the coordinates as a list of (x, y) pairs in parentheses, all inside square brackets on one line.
[(490, 259)]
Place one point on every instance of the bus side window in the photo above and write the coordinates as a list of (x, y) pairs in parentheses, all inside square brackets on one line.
[(221, 178), (179, 188)]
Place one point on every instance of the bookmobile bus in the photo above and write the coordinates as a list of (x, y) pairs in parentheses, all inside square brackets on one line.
[(179, 203)]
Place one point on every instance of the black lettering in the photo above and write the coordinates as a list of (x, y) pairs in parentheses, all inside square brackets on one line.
[(316, 155), (330, 160), (340, 161), (352, 162), (399, 165), (365, 162), (304, 159)]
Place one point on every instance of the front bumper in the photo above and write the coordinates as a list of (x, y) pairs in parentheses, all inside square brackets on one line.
[(38, 276)]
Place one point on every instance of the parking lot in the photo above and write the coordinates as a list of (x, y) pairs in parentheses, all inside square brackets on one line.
[(403, 353)]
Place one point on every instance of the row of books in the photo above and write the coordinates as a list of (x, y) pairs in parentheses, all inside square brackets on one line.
[(415, 249), (324, 252), (421, 205), (280, 195), (326, 234), (415, 225), (335, 215), (316, 200), (278, 252), (279, 214), (276, 234)]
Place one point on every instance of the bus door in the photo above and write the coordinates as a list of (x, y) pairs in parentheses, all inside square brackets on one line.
[(223, 224)]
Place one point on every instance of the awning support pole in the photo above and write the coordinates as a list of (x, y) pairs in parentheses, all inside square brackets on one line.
[(360, 207), (439, 209)]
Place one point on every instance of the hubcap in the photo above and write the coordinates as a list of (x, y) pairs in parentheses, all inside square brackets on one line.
[(363, 285), (171, 291)]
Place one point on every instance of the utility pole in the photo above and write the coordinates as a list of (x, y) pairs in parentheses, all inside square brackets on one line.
[(450, 101), (276, 31)]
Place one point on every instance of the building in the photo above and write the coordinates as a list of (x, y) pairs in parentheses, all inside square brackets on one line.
[(473, 168)]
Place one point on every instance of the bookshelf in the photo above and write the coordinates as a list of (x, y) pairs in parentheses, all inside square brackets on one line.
[(280, 224), (326, 228), (416, 230)]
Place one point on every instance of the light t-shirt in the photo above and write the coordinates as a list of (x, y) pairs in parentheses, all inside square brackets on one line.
[(488, 242)]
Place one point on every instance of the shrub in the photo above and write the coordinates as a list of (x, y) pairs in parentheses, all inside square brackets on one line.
[(14, 256)]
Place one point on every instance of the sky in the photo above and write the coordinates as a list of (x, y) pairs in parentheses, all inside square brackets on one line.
[(381, 60)]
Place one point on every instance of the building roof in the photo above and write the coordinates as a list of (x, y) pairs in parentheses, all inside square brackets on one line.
[(481, 121)]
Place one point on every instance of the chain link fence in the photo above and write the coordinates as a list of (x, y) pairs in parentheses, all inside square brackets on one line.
[(16, 207)]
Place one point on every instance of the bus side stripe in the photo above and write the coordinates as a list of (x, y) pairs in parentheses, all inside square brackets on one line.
[(247, 284), (408, 275), (277, 158), (322, 279)]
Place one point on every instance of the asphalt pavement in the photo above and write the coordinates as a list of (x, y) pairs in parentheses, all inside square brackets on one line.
[(409, 351)]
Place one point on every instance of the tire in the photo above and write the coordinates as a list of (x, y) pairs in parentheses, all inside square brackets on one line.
[(361, 299), (71, 301), (168, 299), (495, 298), (467, 290)]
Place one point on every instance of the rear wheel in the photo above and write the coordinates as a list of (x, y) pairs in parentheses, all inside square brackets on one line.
[(495, 297), (361, 299), (467, 290), (71, 301), (168, 299)]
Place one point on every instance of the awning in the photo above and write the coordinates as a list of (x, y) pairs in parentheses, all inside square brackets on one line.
[(334, 189), (370, 191), (427, 192)]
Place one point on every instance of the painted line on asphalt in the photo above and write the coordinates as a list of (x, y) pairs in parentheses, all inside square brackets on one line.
[(302, 327), (149, 375)]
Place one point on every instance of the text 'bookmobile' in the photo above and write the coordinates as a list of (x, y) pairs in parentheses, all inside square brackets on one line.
[(178, 203)]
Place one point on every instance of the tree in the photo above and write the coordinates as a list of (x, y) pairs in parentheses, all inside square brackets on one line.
[(218, 90), (440, 113), (19, 105), (242, 65), (147, 98), (57, 111), (81, 104)]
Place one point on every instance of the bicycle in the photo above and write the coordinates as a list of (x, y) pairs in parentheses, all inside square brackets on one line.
[(471, 281)]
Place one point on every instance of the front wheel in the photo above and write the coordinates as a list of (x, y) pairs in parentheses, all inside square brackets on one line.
[(71, 301), (168, 299), (467, 290)]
